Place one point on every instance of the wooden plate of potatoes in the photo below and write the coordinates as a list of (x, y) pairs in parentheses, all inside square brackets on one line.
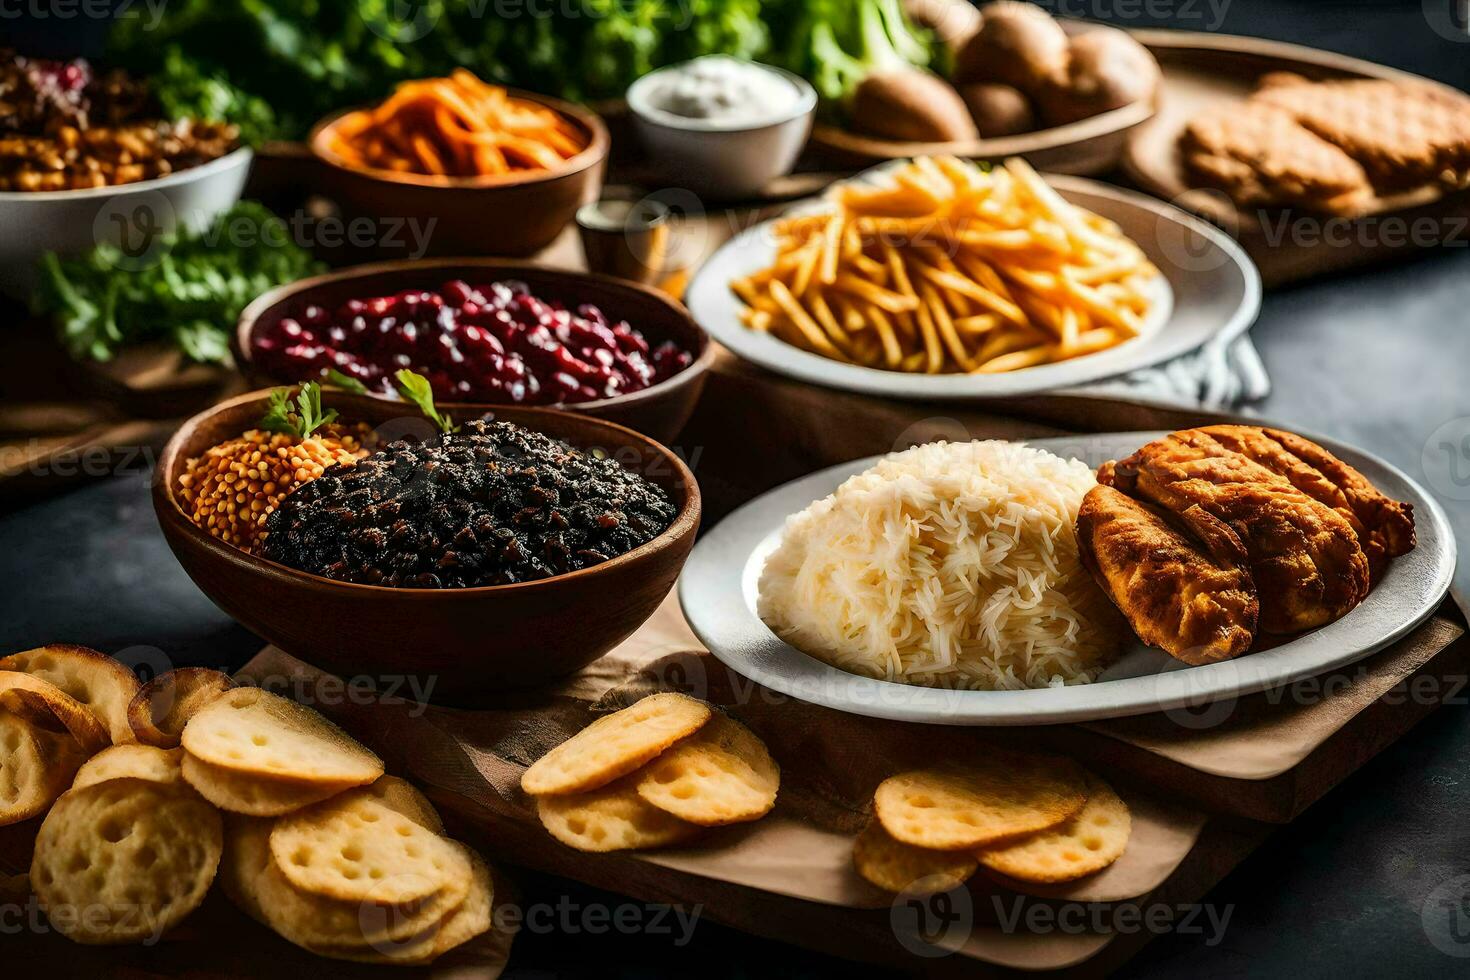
[(1013, 81)]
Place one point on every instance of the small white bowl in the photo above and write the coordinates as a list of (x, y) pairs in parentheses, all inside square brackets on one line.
[(73, 222), (719, 161)]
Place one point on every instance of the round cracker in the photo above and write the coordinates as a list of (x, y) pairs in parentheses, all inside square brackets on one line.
[(1000, 797), (1093, 838), (251, 795), (258, 733), (616, 744), (404, 797), (898, 867), (611, 818), (36, 766), (252, 879), (131, 762), (721, 774), (124, 860), (470, 918), (355, 848), (93, 678), (44, 704), (162, 707)]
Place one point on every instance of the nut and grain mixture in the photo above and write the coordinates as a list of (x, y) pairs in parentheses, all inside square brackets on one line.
[(63, 126), (231, 489)]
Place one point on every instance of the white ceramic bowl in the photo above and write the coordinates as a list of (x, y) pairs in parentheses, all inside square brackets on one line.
[(72, 222), (721, 162)]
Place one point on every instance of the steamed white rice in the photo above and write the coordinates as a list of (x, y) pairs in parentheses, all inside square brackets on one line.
[(948, 565)]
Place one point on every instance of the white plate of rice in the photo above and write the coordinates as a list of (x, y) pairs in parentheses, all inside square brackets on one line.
[(941, 585)]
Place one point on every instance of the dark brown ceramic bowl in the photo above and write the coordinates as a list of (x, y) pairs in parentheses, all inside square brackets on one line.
[(470, 644), (498, 214), (659, 411)]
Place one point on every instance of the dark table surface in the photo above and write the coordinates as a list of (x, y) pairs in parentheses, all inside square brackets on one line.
[(1376, 358)]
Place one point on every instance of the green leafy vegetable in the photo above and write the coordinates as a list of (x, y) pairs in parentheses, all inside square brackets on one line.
[(185, 90), (339, 380), (308, 59), (185, 288), (837, 43), (302, 420), (416, 388)]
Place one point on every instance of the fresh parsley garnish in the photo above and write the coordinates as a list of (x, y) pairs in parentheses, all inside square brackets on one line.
[(416, 388), (337, 379), (301, 420)]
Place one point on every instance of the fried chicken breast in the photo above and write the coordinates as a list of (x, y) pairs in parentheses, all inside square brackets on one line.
[(1385, 527), (1305, 557), (1190, 595)]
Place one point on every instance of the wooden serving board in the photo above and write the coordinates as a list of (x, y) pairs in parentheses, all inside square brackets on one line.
[(1203, 70)]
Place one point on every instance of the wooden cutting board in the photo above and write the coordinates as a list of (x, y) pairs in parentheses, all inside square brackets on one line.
[(1204, 70)]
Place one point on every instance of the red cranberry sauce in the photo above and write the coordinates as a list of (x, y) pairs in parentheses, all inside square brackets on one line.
[(497, 344)]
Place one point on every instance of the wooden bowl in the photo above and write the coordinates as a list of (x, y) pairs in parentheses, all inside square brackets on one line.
[(659, 411), (470, 644), (513, 214), (1090, 146), (1082, 149)]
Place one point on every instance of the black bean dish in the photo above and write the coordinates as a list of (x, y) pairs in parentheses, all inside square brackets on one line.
[(493, 504)]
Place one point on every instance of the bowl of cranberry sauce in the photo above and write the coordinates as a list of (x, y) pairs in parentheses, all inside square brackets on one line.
[(486, 333)]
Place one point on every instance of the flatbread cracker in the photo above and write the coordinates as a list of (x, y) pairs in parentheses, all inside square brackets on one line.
[(1093, 838), (252, 795), (470, 919), (355, 848), (616, 744), (404, 797), (125, 860), (95, 679), (45, 705), (131, 762), (254, 881), (258, 733), (611, 818), (36, 766), (1000, 797), (902, 868), (158, 712), (721, 774)]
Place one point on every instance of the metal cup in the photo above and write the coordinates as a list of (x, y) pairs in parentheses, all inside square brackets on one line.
[(626, 239)]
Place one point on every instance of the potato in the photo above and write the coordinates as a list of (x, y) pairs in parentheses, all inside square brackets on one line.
[(998, 110), (911, 105), (1106, 69), (953, 22), (1017, 45)]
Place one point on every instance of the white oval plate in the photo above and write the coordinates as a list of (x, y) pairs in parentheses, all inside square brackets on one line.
[(1208, 288), (718, 591)]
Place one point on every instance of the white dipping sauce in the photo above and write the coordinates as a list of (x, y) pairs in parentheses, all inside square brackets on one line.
[(723, 91)]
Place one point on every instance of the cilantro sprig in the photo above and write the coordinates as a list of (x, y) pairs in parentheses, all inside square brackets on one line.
[(337, 379), (416, 388), (301, 419)]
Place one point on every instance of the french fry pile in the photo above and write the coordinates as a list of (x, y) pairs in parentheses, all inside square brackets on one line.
[(948, 268)]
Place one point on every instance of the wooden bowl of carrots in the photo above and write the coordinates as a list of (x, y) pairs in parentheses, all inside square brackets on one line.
[(477, 169)]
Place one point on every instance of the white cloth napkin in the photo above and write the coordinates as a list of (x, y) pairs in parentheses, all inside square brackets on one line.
[(1220, 375)]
